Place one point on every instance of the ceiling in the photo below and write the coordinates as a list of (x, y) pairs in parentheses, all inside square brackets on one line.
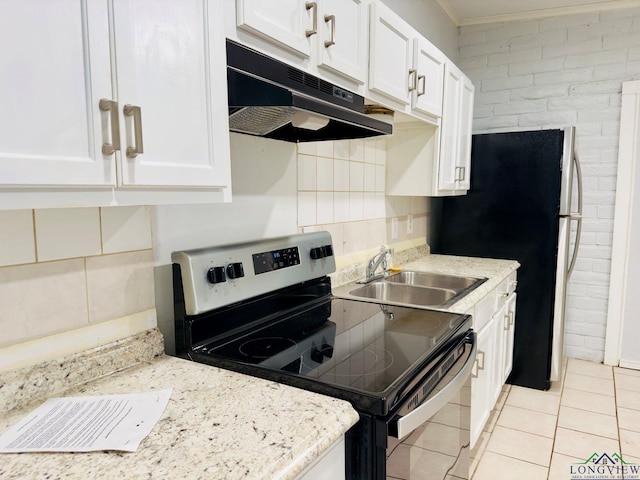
[(469, 12)]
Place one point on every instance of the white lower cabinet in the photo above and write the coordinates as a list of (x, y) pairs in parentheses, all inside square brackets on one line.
[(329, 466), (482, 381), (508, 336), (494, 323)]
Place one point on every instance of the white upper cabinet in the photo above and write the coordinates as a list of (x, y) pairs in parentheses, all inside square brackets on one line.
[(455, 145), (343, 39), (391, 70), (325, 36), (112, 101), (429, 61), (405, 70), (55, 67), (290, 23), (171, 70)]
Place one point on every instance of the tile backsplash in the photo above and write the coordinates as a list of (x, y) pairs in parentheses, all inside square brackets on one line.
[(341, 188), (65, 269)]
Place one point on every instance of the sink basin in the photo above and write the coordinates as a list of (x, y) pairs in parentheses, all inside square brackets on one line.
[(412, 289), (435, 280), (389, 292)]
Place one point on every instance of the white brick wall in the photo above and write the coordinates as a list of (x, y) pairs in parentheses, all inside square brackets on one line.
[(550, 73)]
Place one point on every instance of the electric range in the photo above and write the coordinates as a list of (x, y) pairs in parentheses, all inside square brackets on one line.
[(265, 308)]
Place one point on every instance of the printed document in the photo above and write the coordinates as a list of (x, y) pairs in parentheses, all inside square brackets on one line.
[(87, 424)]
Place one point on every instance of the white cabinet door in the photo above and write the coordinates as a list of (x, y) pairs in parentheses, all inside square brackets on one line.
[(289, 23), (391, 70), (508, 336), (464, 138), (482, 381), (171, 64), (448, 171), (497, 366), (429, 62), (343, 37), (457, 116), (54, 68)]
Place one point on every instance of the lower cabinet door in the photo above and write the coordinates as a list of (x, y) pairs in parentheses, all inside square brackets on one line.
[(508, 336), (482, 381)]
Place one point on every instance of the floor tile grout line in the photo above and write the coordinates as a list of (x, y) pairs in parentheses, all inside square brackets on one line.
[(517, 459), (555, 433), (615, 401)]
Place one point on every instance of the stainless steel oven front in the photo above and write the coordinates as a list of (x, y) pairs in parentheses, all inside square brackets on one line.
[(426, 436)]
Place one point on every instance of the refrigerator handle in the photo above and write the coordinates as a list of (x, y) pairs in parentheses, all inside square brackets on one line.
[(577, 216)]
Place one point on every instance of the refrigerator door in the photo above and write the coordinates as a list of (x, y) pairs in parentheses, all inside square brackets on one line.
[(512, 212), (568, 214), (566, 182), (562, 276)]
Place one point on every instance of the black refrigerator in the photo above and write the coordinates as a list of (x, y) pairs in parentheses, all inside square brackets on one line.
[(519, 207)]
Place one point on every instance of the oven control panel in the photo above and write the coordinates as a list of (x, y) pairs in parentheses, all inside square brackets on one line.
[(276, 259), (217, 276)]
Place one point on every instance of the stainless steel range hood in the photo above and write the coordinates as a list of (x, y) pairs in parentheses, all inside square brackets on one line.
[(271, 99)]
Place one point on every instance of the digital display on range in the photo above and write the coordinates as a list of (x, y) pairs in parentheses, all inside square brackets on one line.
[(275, 260)]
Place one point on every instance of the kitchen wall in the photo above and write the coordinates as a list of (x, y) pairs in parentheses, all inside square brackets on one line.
[(428, 17), (559, 71), (341, 188), (88, 271), (281, 188)]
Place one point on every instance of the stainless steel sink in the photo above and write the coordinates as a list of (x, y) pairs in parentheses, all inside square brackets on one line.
[(388, 292), (413, 289), (435, 280)]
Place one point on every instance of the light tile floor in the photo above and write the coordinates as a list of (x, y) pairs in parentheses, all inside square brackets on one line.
[(535, 435)]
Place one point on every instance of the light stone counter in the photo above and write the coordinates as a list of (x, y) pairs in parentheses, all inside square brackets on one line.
[(420, 259), (218, 424)]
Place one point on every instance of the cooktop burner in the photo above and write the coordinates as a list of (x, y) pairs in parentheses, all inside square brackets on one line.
[(265, 347)]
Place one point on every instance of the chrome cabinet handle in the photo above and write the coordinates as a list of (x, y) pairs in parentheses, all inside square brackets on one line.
[(476, 364), (481, 367), (314, 30), (332, 40), (136, 113), (509, 320), (424, 85), (111, 106), (414, 83)]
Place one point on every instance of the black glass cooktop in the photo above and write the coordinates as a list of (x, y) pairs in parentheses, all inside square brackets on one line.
[(363, 352)]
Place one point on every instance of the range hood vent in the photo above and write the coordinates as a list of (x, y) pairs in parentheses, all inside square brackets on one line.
[(271, 99)]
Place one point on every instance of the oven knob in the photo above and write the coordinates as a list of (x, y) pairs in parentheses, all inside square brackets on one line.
[(317, 253), (328, 250), (235, 270), (216, 275), (316, 355), (327, 350)]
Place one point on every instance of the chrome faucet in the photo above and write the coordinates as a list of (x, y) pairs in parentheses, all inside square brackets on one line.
[(374, 262)]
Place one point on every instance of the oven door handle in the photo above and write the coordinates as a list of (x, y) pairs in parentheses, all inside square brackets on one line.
[(408, 423)]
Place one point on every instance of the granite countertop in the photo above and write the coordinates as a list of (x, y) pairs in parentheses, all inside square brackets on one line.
[(495, 270), (218, 424)]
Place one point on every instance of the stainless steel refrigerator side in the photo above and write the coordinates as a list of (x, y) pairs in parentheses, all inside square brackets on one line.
[(562, 277), (564, 265)]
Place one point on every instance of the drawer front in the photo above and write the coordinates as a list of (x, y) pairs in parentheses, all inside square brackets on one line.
[(483, 311)]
